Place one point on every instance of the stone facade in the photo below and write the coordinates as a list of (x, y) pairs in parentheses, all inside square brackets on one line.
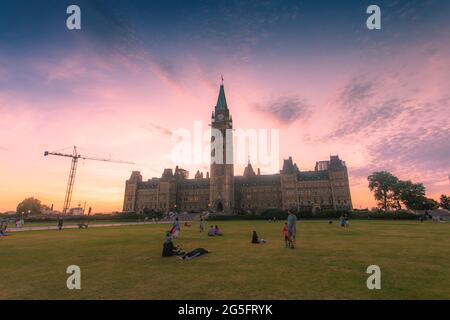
[(327, 187)]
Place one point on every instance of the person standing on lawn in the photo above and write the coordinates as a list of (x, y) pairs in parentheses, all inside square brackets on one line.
[(176, 228), (60, 223), (292, 228)]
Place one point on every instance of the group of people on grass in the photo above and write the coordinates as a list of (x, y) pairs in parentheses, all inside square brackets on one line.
[(214, 231), (19, 222), (4, 226), (169, 249), (289, 232)]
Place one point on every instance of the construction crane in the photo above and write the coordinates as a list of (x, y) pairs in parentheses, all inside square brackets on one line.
[(73, 169)]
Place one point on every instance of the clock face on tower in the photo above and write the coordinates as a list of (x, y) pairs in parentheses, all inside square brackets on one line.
[(220, 116)]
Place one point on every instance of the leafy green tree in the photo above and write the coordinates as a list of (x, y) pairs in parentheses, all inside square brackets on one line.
[(392, 192), (412, 195), (428, 204), (382, 184), (29, 206), (445, 202)]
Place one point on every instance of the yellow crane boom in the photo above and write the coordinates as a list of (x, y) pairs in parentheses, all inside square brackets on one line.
[(73, 168)]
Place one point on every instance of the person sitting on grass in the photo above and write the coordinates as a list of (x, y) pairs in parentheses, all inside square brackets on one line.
[(193, 254), (217, 231), (256, 239), (211, 231), (169, 249)]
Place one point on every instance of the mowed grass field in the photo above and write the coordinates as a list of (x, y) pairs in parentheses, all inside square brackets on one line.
[(69, 223), (329, 262)]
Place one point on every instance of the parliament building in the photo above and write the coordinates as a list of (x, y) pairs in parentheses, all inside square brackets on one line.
[(327, 187)]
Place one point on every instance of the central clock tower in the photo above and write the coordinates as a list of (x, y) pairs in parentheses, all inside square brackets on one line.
[(221, 190)]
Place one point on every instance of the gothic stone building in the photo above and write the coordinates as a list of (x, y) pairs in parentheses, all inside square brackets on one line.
[(327, 187)]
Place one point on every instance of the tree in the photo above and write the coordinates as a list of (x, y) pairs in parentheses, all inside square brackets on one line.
[(444, 202), (29, 206), (427, 204), (392, 192), (412, 195), (382, 184)]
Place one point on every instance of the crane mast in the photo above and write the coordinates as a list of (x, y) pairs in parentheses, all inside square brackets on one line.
[(73, 169)]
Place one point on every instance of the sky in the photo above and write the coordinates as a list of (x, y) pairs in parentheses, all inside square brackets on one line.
[(137, 71)]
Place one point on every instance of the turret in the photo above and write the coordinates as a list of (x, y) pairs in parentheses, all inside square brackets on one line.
[(131, 187), (199, 175), (248, 171), (135, 177)]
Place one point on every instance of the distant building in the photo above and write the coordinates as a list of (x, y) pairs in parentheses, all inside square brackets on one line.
[(50, 212), (9, 213), (325, 187), (75, 212)]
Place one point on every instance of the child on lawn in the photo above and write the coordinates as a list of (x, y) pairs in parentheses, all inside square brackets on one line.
[(287, 241)]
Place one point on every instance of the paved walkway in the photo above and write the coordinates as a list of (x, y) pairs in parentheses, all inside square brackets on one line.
[(75, 226)]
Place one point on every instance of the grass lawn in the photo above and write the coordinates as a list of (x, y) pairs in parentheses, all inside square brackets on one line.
[(328, 263), (68, 223)]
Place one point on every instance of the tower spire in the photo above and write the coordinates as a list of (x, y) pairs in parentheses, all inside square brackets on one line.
[(221, 100)]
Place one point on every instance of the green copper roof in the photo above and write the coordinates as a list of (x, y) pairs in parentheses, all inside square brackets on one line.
[(221, 101)]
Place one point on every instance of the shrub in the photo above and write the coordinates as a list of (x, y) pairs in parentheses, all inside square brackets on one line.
[(325, 214)]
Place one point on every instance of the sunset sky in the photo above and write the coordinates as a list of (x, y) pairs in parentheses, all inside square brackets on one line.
[(139, 70)]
